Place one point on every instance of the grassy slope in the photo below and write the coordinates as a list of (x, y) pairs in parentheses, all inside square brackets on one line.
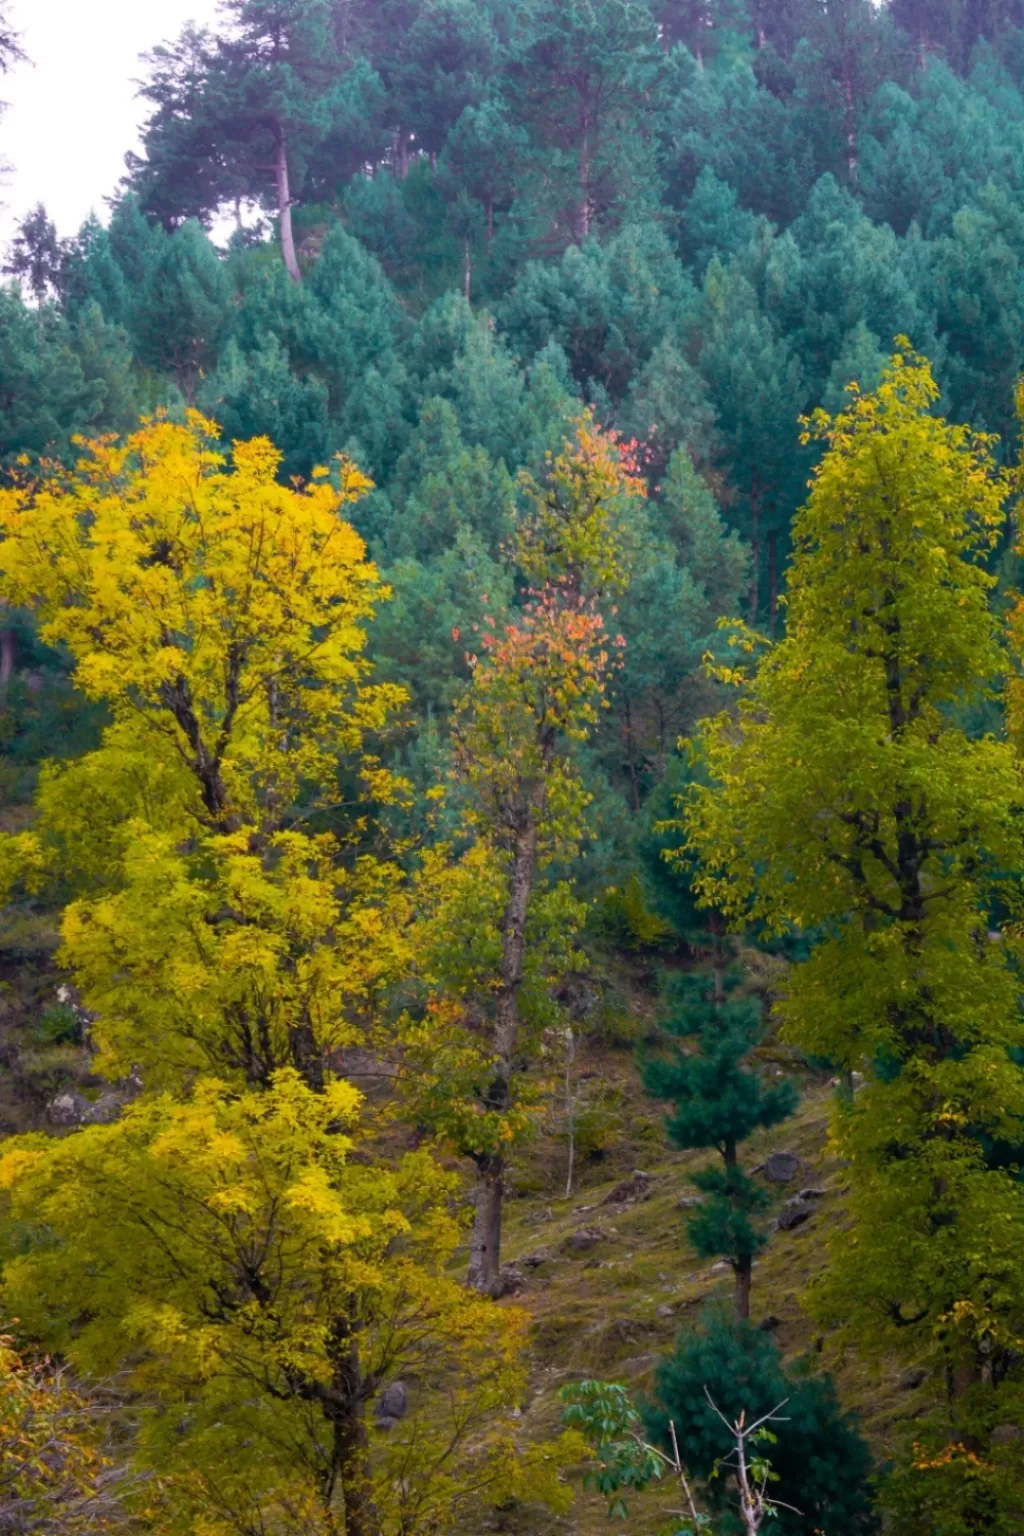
[(597, 1313)]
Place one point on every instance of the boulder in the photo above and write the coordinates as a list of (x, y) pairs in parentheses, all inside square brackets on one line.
[(68, 1108), (690, 1202), (794, 1213), (781, 1167), (585, 1238), (636, 1187), (511, 1281), (392, 1405), (106, 1109)]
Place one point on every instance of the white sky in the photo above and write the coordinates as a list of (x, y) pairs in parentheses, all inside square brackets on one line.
[(73, 112)]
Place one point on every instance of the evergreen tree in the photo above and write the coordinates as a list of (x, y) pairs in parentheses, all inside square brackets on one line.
[(718, 1100), (580, 81), (820, 1460), (183, 308)]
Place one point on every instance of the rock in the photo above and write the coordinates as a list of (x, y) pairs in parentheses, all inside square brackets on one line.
[(105, 1110), (392, 1405), (912, 1378), (770, 1323), (794, 1213), (813, 1194), (636, 1187), (664, 1311), (781, 1167), (68, 1108), (535, 1260), (721, 1268), (585, 1238), (1006, 1434), (690, 1202), (511, 1281)]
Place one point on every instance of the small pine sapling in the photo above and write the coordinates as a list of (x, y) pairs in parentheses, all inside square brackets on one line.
[(718, 1100)]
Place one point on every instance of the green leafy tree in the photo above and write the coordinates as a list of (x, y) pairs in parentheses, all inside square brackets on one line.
[(846, 797), (500, 923), (237, 114)]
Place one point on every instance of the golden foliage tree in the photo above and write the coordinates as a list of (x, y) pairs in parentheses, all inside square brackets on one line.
[(238, 909)]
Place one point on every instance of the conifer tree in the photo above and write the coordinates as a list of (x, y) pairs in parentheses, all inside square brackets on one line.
[(820, 1463), (718, 1100)]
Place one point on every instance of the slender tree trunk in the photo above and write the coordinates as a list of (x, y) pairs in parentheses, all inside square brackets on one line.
[(773, 579), (306, 1055), (631, 754), (485, 1255), (284, 208), (467, 269), (755, 550), (8, 647), (718, 956), (851, 121), (583, 217), (570, 1107), (743, 1264)]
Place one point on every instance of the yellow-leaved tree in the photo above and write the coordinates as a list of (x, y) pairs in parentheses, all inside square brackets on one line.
[(257, 1282), (238, 909), (239, 1247)]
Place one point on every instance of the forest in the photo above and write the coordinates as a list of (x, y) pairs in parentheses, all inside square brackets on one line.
[(512, 781)]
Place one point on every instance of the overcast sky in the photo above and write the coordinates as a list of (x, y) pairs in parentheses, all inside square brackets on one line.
[(73, 112)]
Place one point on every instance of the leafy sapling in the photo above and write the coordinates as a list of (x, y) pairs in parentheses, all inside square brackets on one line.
[(603, 1413)]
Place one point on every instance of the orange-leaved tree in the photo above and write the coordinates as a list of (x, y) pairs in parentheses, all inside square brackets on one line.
[(501, 923)]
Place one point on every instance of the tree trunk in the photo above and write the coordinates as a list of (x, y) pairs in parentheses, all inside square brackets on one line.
[(584, 213), (773, 579), (741, 1293), (755, 550), (284, 207), (851, 121), (742, 1264), (8, 647), (467, 269), (631, 755), (344, 1405), (485, 1255), (485, 1248)]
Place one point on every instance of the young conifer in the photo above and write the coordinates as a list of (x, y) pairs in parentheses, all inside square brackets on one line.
[(718, 1100)]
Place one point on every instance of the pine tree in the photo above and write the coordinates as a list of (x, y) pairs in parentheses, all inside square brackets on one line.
[(820, 1462), (718, 1100)]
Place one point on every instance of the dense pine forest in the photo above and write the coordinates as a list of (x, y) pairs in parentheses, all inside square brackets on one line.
[(512, 781)]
